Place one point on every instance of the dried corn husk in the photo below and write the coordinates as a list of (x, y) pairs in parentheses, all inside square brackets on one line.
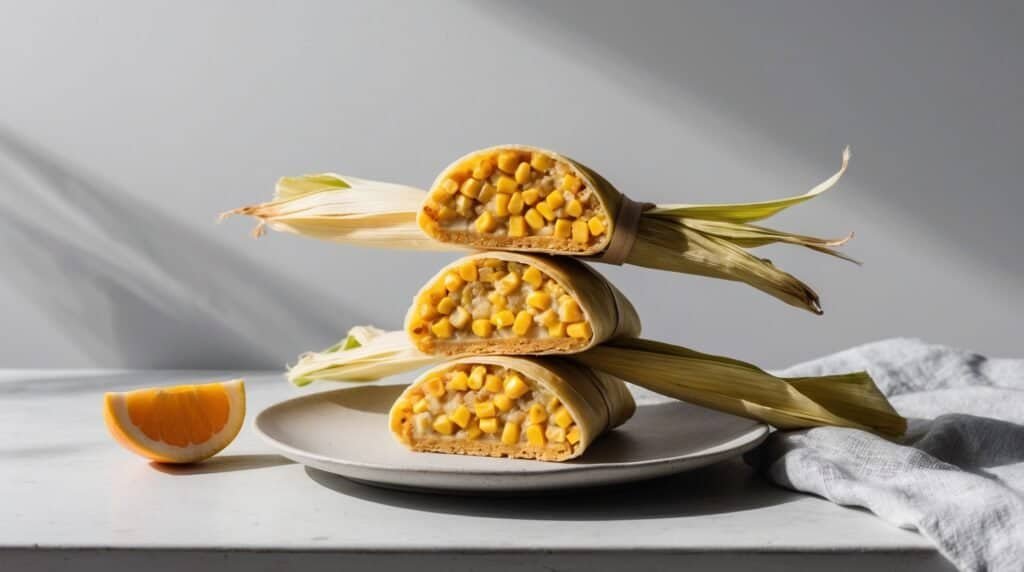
[(720, 383), (707, 240)]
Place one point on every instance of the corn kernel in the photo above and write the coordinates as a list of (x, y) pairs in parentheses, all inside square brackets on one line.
[(523, 323), (485, 222), (596, 226), (485, 410), (534, 219), (507, 185), (434, 386), (460, 416), (473, 431), (516, 227), (509, 284), (523, 173), (580, 232), (539, 300), (463, 205), (531, 196), (501, 205), (579, 330), (449, 186), (489, 426), (502, 402), (541, 162), (483, 169), (470, 188), (421, 405), (574, 208), (569, 310), (508, 161), (443, 425), (545, 210), (571, 183), (403, 404), (562, 417), (446, 213), (537, 413), (549, 317), (563, 228), (555, 434), (533, 276), (483, 328), (459, 318), (556, 330), (555, 200), (573, 435), (453, 283), (427, 311), (457, 382), (553, 403), (510, 435), (476, 377), (503, 319), (486, 193), (535, 435), (492, 383), (445, 306), (468, 271), (515, 387), (442, 328), (515, 203), (498, 301)]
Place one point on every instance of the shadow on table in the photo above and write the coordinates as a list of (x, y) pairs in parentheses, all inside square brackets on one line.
[(223, 464), (722, 488)]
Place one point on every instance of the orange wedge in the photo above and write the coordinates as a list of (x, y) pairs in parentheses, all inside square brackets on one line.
[(181, 424)]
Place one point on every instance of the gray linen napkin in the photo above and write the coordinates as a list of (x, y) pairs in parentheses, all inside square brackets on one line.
[(957, 476)]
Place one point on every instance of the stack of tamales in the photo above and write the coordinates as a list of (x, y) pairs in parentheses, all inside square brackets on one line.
[(528, 352)]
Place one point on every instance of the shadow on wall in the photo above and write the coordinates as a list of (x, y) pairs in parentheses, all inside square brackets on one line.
[(132, 287)]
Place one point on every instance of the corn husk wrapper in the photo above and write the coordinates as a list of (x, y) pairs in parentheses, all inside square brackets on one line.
[(607, 309), (596, 401), (706, 240), (724, 384)]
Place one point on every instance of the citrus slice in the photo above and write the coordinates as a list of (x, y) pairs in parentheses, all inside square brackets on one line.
[(181, 424)]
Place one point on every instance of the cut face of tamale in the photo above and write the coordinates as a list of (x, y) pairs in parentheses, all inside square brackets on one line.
[(516, 197), (498, 406), (508, 303)]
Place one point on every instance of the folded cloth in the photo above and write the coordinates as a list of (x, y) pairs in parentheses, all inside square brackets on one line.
[(958, 474)]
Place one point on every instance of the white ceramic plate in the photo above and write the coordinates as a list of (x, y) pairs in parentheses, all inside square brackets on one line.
[(346, 432)]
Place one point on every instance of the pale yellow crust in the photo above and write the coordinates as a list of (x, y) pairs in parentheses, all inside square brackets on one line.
[(557, 452)]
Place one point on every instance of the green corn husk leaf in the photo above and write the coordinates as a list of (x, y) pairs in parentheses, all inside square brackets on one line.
[(716, 382)]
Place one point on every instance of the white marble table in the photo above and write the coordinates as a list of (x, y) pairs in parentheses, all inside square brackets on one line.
[(72, 499)]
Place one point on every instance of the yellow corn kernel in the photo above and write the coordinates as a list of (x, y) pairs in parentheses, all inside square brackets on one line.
[(516, 227), (403, 405), (460, 416), (492, 383), (553, 403), (440, 195), (446, 213), (534, 219), (457, 382), (569, 310), (555, 200), (453, 283), (545, 211), (503, 319), (468, 271), (502, 402), (443, 425), (562, 417), (421, 406), (427, 311), (509, 284), (437, 291), (486, 193), (434, 386), (555, 434), (556, 330), (571, 183), (449, 186), (549, 317), (515, 387), (489, 426), (485, 222), (531, 196), (442, 328), (563, 228), (463, 205), (574, 208), (483, 328), (596, 226), (470, 188), (485, 410), (459, 318), (510, 435), (535, 435), (523, 173), (522, 324), (539, 300), (473, 431), (501, 205), (445, 306), (579, 330), (515, 203), (580, 232), (508, 161), (483, 169), (498, 301), (507, 185), (541, 162), (573, 435), (476, 377), (537, 413), (533, 276)]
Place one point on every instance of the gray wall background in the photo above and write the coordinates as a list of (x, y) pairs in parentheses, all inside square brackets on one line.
[(125, 127)]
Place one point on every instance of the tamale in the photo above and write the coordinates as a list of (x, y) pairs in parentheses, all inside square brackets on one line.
[(502, 406)]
